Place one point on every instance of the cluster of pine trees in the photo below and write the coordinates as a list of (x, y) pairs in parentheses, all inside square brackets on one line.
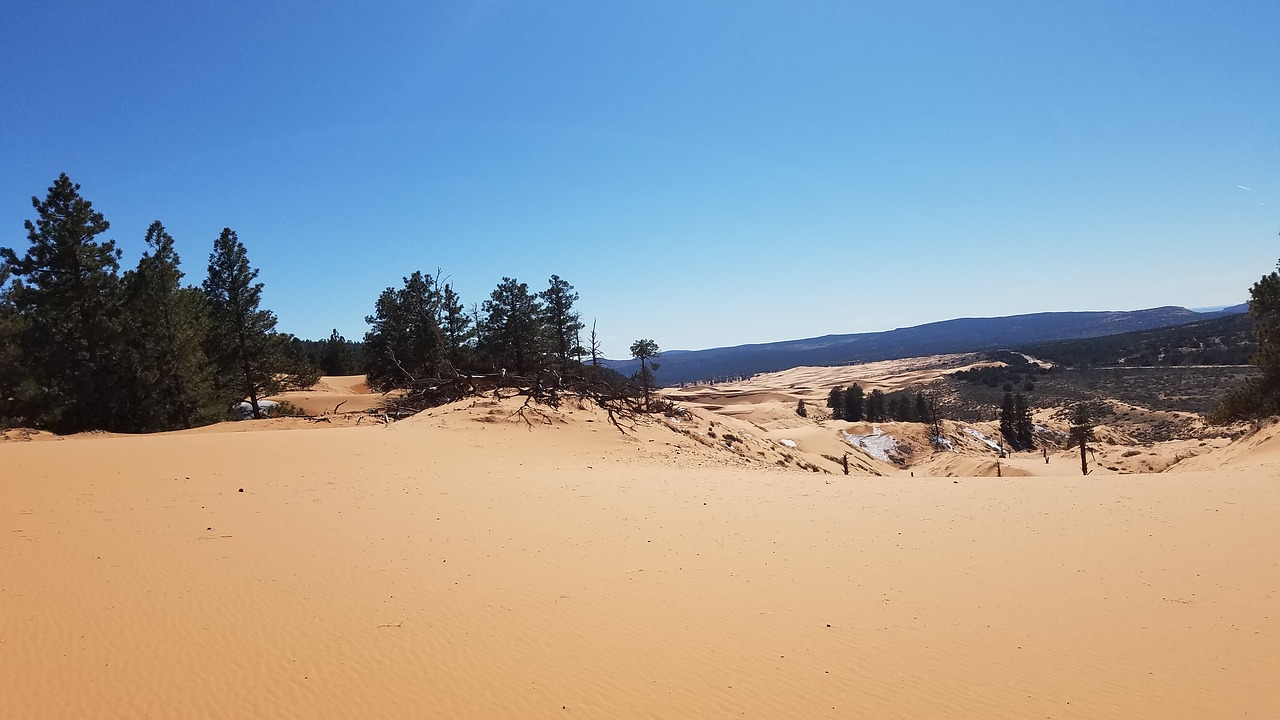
[(854, 405), (84, 347), (1016, 424), (422, 330)]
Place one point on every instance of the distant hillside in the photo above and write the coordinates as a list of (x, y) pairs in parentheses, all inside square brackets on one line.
[(948, 336), (1224, 340)]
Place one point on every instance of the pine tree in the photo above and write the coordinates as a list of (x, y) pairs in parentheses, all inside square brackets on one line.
[(165, 329), (1023, 423), (875, 411), (405, 342), (16, 382), (801, 410), (562, 321), (513, 335), (336, 356), (854, 404), (66, 291), (1008, 420), (246, 352), (456, 328), (922, 409), (645, 351), (835, 401), (1082, 417), (1260, 396)]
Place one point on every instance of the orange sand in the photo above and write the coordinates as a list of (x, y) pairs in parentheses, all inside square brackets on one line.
[(444, 567)]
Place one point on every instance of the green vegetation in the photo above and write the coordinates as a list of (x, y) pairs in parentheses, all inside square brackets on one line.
[(1260, 396), (84, 348), (645, 351), (1015, 422), (1219, 341), (853, 405)]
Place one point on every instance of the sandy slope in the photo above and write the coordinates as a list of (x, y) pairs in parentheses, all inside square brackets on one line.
[(459, 565), (334, 393)]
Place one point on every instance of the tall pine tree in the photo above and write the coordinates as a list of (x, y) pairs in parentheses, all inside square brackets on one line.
[(65, 307), (1008, 420), (246, 352), (563, 322), (165, 331), (1023, 424)]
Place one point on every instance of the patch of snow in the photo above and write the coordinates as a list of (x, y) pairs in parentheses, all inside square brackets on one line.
[(983, 439), (244, 411), (877, 444), (789, 443), (942, 442)]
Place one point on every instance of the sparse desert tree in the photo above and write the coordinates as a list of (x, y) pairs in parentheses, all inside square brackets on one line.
[(1081, 418), (801, 410), (645, 351), (594, 347)]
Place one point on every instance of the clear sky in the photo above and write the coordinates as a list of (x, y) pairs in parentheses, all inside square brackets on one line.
[(704, 173)]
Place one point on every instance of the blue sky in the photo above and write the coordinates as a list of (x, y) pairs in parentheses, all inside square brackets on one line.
[(704, 173)]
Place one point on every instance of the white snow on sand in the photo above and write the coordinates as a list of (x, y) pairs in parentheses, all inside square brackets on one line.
[(877, 444), (983, 439), (788, 443)]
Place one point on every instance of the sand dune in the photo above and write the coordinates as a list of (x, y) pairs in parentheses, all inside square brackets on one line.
[(334, 394), (463, 564)]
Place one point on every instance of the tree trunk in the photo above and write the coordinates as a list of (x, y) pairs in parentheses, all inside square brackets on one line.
[(1084, 463)]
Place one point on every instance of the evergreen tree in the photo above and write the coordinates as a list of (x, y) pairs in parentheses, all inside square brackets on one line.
[(16, 382), (456, 328), (64, 306), (922, 409), (1260, 396), (801, 410), (1082, 417), (336, 357), (246, 352), (562, 321), (513, 334), (1023, 423), (645, 351), (1008, 420), (855, 405), (165, 329), (875, 406), (404, 342), (835, 401)]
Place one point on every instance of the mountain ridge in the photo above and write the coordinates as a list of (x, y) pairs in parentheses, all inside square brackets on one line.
[(938, 337)]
